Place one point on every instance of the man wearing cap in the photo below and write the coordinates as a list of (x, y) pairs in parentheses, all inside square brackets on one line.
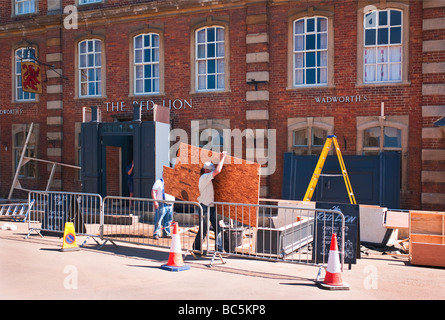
[(207, 196)]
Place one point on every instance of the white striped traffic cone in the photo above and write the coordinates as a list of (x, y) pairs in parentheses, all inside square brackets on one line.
[(333, 280), (175, 261)]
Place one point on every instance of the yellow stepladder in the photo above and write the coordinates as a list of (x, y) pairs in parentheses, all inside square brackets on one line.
[(318, 168)]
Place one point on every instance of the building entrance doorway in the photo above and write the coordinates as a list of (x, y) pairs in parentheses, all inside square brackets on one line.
[(108, 147)]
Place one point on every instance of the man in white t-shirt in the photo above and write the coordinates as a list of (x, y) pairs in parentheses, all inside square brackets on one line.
[(207, 196), (163, 210)]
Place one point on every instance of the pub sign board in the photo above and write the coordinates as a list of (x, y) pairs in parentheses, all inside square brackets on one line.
[(324, 227)]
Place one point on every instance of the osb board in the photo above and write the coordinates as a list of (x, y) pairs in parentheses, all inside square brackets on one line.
[(427, 222), (427, 254), (238, 182)]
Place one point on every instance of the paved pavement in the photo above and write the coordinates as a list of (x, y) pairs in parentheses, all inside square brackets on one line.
[(36, 269)]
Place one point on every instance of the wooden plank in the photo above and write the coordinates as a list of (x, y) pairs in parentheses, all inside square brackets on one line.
[(397, 220), (427, 254), (238, 182), (427, 238), (427, 222)]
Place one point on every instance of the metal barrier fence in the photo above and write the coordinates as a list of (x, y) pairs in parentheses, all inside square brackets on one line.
[(52, 209), (273, 232), (287, 233), (135, 220)]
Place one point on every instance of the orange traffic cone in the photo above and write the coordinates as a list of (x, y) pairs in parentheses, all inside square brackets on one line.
[(333, 280), (175, 261)]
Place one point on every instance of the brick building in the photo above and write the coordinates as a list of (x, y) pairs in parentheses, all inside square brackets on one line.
[(372, 72)]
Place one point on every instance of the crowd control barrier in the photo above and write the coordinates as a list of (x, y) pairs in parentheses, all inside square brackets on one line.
[(134, 220), (53, 209), (287, 233)]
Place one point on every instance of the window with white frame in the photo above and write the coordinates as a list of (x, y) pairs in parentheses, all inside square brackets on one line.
[(310, 51), (20, 133), (23, 54), (25, 6), (381, 138), (146, 63), (90, 68), (89, 1), (309, 140), (383, 46), (209, 58)]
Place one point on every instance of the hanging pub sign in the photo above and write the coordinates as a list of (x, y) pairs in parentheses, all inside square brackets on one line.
[(31, 77)]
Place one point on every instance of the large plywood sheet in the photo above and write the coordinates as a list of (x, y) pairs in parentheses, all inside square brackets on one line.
[(238, 182)]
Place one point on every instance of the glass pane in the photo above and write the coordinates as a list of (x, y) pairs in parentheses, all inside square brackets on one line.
[(383, 18), (310, 42), (210, 34), (155, 40), (147, 55), (82, 61), (372, 137), (220, 66), (202, 67), (220, 34), (138, 42), (300, 138), (202, 82), (146, 40), (98, 46), (322, 24), (299, 76), (211, 66), (90, 60), (370, 35), (318, 136), (370, 73), (139, 86), (201, 36), (147, 71), (210, 50), (221, 81), (322, 58), (395, 54), (396, 18), (299, 60), (98, 61), (382, 55), (393, 137), (322, 75), (299, 26), (154, 55), (310, 76), (369, 56), (201, 51), (322, 41), (156, 70), (310, 25), (299, 43), (382, 72), (370, 20), (139, 72), (310, 59), (395, 72), (155, 85), (82, 47), (396, 35), (220, 49), (211, 82), (382, 36)]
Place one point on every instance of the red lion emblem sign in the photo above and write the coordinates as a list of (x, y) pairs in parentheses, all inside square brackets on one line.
[(31, 77)]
